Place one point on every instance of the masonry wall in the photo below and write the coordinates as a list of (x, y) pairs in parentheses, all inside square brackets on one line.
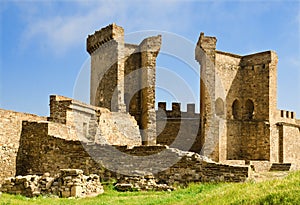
[(277, 133), (287, 138), (133, 81), (125, 74), (237, 102), (107, 67), (91, 124), (227, 66), (41, 153), (10, 131), (178, 129), (248, 140), (291, 145)]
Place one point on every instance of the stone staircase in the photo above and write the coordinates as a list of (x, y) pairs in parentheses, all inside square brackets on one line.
[(280, 167)]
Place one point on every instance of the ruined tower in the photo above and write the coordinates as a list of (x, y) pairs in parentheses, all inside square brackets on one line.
[(123, 76), (107, 68)]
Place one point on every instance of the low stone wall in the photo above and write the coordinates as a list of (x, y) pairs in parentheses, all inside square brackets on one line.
[(43, 153), (193, 167), (69, 183)]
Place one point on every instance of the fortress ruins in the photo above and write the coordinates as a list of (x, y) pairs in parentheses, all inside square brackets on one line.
[(239, 129)]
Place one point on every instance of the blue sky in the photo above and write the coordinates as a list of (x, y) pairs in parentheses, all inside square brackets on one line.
[(43, 42)]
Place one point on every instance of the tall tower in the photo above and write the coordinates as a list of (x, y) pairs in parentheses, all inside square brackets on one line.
[(123, 76), (106, 48), (237, 102)]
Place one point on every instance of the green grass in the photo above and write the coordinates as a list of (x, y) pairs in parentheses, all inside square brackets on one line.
[(280, 191)]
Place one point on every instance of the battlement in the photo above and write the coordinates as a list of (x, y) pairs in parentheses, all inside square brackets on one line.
[(176, 110), (287, 114), (102, 36)]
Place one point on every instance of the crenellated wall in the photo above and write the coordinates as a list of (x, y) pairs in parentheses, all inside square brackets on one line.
[(178, 129)]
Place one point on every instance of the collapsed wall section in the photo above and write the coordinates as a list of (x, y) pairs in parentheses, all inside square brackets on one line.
[(51, 154)]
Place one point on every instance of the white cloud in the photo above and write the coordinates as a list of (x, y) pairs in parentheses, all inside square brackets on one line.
[(61, 32)]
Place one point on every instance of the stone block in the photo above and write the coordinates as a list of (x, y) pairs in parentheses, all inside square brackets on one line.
[(76, 191)]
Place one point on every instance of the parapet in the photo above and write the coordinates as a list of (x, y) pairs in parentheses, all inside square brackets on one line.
[(176, 111), (289, 117), (287, 114), (102, 36)]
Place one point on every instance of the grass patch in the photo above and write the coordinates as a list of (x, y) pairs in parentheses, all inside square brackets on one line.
[(278, 191)]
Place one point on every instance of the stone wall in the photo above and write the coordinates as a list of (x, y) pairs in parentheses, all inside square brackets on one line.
[(192, 168), (76, 120), (43, 153), (205, 54), (237, 102), (178, 129), (249, 108), (10, 130), (248, 140), (289, 144)]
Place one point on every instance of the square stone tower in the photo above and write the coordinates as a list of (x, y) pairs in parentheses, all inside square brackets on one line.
[(237, 102), (107, 68), (123, 76)]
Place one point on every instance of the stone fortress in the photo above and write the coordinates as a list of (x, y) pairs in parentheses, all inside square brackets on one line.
[(238, 131)]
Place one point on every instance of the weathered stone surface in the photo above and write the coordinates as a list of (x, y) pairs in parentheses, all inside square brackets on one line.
[(141, 183), (123, 76), (69, 183), (109, 163), (10, 131)]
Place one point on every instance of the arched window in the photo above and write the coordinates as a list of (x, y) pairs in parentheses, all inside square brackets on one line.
[(236, 109), (249, 109), (219, 107)]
